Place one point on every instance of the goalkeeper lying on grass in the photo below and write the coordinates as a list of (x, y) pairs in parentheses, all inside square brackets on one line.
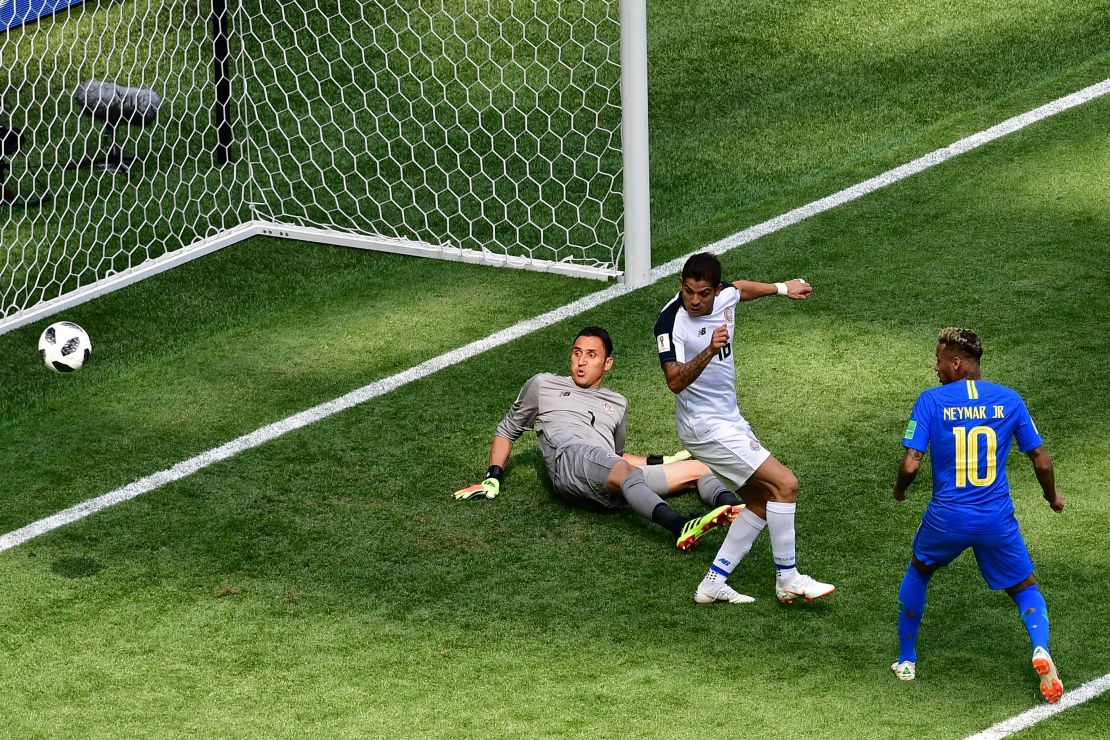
[(580, 427)]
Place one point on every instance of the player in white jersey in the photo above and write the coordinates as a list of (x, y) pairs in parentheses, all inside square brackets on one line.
[(694, 337), (580, 427)]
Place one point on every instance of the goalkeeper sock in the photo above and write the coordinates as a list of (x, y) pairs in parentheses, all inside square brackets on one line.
[(656, 479), (713, 493), (1034, 613), (911, 605), (738, 543), (639, 495), (726, 498), (668, 518)]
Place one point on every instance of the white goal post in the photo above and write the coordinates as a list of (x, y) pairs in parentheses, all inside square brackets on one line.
[(138, 136)]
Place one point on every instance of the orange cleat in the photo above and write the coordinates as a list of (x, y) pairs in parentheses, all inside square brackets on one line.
[(1051, 686)]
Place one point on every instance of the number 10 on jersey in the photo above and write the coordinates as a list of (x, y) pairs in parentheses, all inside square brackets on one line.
[(967, 455)]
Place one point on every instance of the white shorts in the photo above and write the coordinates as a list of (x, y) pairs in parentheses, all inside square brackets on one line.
[(731, 451)]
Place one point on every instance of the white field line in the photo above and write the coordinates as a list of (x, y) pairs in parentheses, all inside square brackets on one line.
[(1022, 721), (381, 387)]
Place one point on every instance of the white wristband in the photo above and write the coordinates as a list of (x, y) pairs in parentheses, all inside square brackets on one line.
[(780, 288)]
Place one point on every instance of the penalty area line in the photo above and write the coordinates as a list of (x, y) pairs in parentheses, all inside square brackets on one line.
[(1027, 719), (378, 388)]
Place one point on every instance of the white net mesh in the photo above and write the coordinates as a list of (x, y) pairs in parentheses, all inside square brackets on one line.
[(95, 223), (491, 126)]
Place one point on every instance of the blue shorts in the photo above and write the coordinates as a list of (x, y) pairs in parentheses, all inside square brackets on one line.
[(1003, 558)]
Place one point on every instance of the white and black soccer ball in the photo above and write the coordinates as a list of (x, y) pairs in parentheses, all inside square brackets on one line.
[(64, 347)]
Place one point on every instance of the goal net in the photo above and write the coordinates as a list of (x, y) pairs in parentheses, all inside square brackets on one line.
[(157, 131)]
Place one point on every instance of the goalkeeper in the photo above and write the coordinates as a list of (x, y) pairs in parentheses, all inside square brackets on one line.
[(580, 427)]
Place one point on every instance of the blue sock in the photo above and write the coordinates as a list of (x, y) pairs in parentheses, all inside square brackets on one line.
[(911, 604), (1034, 613)]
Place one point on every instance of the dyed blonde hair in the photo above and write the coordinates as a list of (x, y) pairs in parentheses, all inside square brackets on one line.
[(963, 342)]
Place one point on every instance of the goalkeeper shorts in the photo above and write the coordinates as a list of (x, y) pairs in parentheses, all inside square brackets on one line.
[(580, 473)]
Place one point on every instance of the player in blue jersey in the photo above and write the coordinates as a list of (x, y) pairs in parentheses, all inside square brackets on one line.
[(968, 423)]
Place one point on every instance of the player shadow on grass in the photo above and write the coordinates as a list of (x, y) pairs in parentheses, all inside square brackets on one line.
[(76, 567)]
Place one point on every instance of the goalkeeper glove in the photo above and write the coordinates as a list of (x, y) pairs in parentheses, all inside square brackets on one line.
[(489, 488), (667, 459)]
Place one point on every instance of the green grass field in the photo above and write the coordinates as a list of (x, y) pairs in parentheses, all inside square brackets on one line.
[(325, 584)]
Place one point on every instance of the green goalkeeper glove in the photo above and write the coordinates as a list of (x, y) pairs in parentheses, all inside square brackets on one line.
[(489, 488), (667, 459)]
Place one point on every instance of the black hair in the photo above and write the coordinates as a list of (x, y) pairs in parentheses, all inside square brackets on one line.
[(703, 266), (597, 331)]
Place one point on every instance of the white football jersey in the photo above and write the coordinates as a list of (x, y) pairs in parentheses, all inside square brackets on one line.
[(711, 398)]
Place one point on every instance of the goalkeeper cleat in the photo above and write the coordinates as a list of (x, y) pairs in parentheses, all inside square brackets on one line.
[(695, 529), (1051, 686), (707, 593), (801, 587), (905, 670)]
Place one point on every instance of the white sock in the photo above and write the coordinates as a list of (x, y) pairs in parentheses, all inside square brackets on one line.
[(738, 542), (780, 523)]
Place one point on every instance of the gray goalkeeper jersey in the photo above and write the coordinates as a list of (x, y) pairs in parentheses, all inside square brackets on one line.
[(564, 414)]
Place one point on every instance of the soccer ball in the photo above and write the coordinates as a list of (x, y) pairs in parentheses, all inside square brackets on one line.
[(64, 347)]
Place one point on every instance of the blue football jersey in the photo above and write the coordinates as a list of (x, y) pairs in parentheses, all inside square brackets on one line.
[(968, 425)]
